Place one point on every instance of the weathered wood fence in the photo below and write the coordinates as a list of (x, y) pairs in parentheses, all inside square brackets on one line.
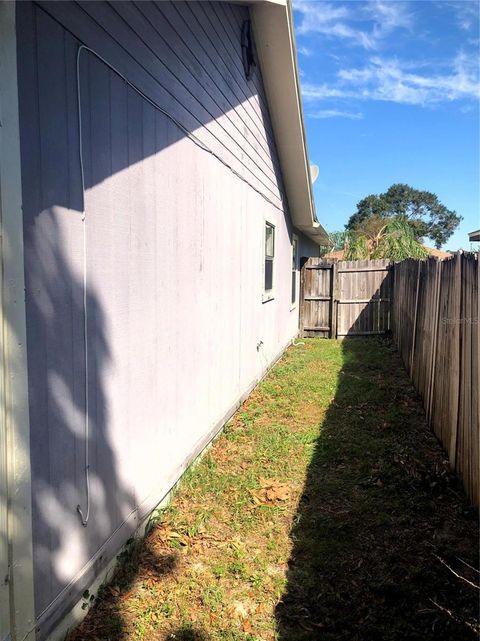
[(345, 298), (436, 330), (432, 306)]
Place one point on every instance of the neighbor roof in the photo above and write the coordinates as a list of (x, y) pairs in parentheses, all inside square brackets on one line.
[(474, 236), (339, 254), (272, 22)]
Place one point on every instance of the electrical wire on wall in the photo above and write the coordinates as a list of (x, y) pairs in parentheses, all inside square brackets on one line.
[(85, 515)]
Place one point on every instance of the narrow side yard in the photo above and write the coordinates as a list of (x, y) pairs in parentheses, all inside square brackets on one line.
[(324, 511)]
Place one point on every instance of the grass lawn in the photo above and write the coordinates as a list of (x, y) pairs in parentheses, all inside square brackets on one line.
[(324, 511)]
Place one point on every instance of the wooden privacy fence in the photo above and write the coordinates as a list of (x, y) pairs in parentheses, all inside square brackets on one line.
[(345, 298), (436, 329)]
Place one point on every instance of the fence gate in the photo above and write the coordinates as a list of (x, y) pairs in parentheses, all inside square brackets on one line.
[(345, 298), (316, 308)]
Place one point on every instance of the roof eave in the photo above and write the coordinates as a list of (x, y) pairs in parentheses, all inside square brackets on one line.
[(272, 22)]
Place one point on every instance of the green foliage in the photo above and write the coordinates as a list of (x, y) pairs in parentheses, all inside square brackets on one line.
[(358, 249), (399, 242), (378, 237), (338, 240), (395, 240), (422, 210)]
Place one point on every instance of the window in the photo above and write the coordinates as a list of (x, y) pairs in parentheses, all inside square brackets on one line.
[(269, 256), (294, 269)]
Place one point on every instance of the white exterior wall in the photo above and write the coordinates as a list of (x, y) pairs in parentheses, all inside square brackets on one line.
[(177, 330)]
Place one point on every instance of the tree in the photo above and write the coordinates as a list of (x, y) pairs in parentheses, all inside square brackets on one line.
[(395, 240), (380, 238), (421, 210)]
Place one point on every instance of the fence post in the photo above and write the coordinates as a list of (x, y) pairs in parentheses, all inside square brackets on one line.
[(333, 303), (301, 316), (436, 314), (391, 304), (415, 320), (456, 369)]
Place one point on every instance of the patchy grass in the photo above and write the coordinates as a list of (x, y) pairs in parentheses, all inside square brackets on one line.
[(324, 511)]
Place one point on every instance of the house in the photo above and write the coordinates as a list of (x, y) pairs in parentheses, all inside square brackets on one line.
[(155, 204), (474, 236)]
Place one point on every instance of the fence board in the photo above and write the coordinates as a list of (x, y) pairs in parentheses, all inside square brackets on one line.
[(436, 330)]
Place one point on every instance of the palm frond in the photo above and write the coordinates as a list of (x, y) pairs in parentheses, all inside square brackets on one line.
[(392, 238)]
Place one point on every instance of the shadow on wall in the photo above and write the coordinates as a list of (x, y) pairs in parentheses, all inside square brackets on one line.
[(119, 131), (375, 510), (56, 357), (116, 119)]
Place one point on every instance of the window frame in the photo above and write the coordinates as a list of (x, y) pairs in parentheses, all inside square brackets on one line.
[(295, 272), (268, 294)]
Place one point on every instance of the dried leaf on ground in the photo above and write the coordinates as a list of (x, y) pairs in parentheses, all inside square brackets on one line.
[(247, 627), (271, 491)]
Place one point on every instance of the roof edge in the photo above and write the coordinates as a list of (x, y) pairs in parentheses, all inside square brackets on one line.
[(272, 22)]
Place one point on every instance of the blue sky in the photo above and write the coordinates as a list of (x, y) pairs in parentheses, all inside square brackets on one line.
[(391, 94)]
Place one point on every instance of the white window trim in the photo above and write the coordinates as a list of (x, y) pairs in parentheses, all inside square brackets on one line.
[(294, 305), (268, 295)]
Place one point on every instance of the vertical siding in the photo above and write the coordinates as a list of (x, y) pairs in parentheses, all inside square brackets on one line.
[(147, 60), (174, 261), (307, 247)]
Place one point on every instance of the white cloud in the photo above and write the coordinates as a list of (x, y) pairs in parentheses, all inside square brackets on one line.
[(466, 13), (330, 20), (334, 113), (341, 20), (317, 14), (396, 81), (388, 16), (305, 51), (319, 92)]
